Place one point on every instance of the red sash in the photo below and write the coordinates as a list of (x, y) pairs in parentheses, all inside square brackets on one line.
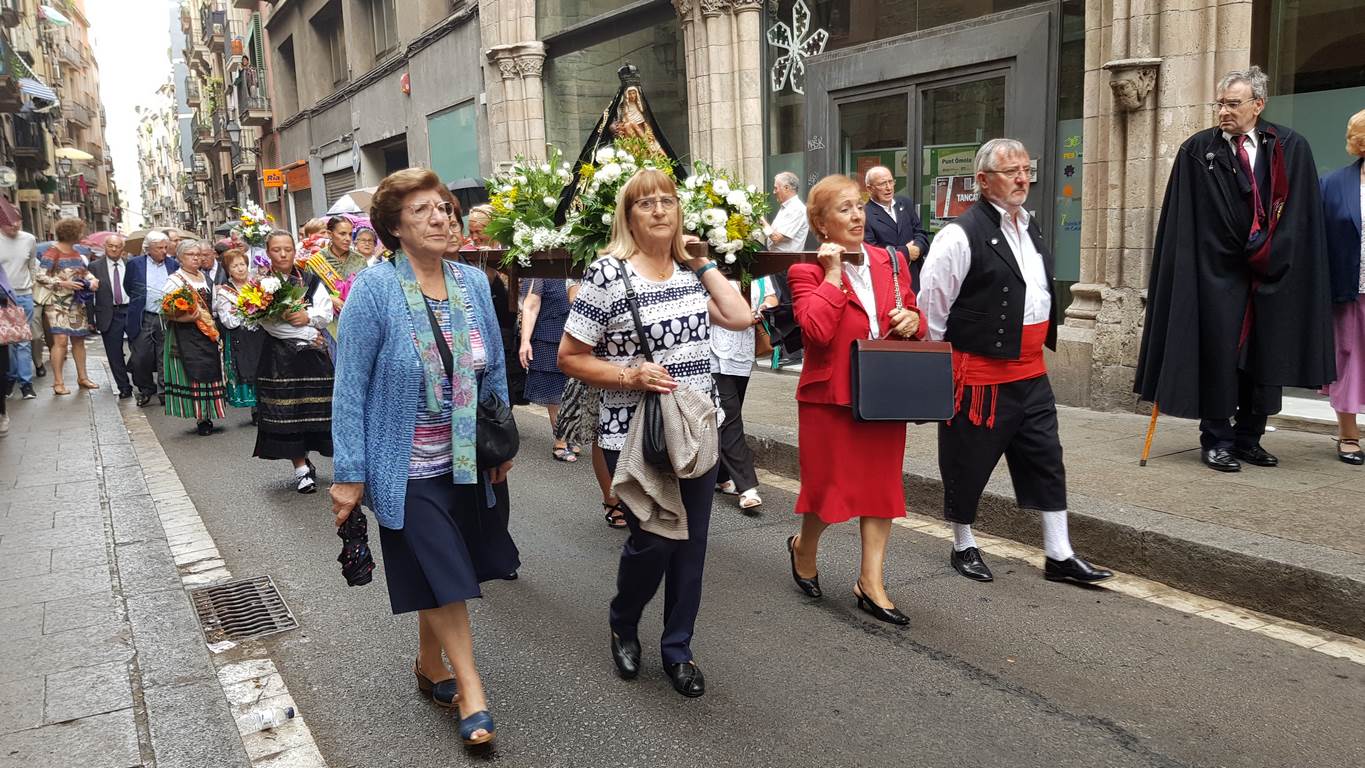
[(980, 372)]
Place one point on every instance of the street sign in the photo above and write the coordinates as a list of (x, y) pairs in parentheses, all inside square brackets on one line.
[(272, 177), (70, 211), (30, 196), (8, 177)]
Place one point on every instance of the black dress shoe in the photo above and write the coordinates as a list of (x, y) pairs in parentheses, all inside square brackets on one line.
[(687, 678), (1074, 569), (40, 371), (1354, 458), (443, 693), (204, 428), (143, 399), (125, 394), (626, 655), (810, 586), (1256, 455), (968, 562), (888, 615), (1220, 459)]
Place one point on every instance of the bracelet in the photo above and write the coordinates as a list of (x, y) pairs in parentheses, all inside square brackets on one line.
[(621, 377), (704, 267)]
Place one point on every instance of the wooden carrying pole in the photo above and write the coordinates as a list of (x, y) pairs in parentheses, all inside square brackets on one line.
[(1151, 432)]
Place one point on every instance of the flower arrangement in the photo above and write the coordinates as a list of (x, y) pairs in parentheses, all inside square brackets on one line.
[(253, 228), (343, 288), (589, 225), (269, 297), (183, 301), (724, 213), (524, 198)]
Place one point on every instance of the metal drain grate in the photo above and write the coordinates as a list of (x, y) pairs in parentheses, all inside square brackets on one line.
[(242, 610)]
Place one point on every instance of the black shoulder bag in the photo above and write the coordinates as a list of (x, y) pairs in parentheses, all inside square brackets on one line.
[(655, 448), (496, 439)]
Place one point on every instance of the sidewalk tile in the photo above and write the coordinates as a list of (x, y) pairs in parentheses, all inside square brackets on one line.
[(146, 566), (170, 645), (103, 741), (22, 621), (75, 558), (66, 536), (21, 704), (87, 691), (33, 563), (292, 735), (92, 613), (54, 586), (63, 651), (191, 726), (134, 518)]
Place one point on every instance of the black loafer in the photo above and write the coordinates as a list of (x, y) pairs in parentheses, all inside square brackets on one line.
[(626, 655), (968, 562), (124, 395), (1256, 455), (1220, 459), (687, 679), (1074, 569), (143, 399)]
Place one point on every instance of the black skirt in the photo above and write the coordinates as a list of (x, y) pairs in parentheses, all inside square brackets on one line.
[(293, 400), (450, 542)]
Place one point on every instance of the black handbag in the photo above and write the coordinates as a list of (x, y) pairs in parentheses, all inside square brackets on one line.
[(496, 439), (654, 446), (898, 379)]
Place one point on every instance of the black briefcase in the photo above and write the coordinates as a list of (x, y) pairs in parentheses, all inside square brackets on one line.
[(897, 380)]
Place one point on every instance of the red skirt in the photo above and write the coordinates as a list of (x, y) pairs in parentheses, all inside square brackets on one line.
[(849, 468)]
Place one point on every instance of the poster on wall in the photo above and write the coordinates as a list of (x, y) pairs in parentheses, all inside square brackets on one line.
[(1067, 221), (895, 159), (948, 183)]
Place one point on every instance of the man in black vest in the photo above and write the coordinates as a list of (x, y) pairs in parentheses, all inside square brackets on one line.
[(987, 288)]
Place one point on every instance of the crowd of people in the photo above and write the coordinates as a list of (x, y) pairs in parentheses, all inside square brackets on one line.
[(405, 379)]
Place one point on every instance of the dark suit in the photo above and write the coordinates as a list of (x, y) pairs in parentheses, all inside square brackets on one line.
[(111, 319), (883, 231), (1341, 211), (144, 328)]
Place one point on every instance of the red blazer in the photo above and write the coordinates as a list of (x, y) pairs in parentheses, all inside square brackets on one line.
[(831, 319)]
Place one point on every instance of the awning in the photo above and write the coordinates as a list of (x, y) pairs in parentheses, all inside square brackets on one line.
[(35, 88), (53, 15)]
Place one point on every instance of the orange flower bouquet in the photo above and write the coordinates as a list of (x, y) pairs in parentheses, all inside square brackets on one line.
[(183, 302)]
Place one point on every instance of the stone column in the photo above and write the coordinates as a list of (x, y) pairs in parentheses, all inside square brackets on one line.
[(530, 58), (749, 78), (720, 76), (693, 62)]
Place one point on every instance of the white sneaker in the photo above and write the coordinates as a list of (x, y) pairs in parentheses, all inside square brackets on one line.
[(4, 425), (750, 499), (727, 488)]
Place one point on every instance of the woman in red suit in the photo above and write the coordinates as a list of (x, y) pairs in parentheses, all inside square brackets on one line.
[(839, 300)]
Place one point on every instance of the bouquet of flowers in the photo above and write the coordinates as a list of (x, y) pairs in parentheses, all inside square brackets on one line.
[(589, 225), (724, 213), (269, 297), (253, 228), (524, 198), (343, 289), (182, 301)]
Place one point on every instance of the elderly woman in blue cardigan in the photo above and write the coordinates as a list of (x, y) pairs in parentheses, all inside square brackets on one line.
[(403, 433)]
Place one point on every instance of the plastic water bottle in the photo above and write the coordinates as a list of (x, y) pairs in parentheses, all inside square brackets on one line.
[(264, 719)]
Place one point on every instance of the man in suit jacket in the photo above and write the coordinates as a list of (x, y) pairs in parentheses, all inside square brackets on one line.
[(145, 282), (892, 221), (111, 309)]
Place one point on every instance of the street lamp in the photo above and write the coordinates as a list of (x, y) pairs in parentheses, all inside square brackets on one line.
[(234, 131)]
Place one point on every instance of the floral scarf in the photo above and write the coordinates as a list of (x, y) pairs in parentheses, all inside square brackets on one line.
[(463, 385)]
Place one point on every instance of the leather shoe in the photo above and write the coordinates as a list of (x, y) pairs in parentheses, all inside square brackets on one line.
[(125, 394), (968, 562), (1220, 459), (443, 693), (810, 586), (626, 655), (143, 399), (1256, 455), (1074, 569), (687, 678)]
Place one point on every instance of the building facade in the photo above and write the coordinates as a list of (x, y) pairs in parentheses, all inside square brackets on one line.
[(158, 159), (52, 129)]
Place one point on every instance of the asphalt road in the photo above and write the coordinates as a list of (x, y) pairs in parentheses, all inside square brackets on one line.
[(1020, 672)]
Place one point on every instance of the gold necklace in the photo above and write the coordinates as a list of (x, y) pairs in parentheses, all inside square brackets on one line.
[(661, 274)]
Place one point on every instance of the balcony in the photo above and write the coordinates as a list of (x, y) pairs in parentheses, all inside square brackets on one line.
[(219, 123), (193, 95), (213, 27), (253, 103), (243, 159), (30, 144), (100, 202), (69, 54), (9, 12), (78, 113), (204, 137), (200, 164)]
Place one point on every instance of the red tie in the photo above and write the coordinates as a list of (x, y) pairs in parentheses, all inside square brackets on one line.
[(1251, 174)]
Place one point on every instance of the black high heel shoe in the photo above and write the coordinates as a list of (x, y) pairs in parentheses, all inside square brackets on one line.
[(888, 615), (810, 586)]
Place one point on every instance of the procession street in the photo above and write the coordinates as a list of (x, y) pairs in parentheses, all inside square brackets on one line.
[(1020, 672)]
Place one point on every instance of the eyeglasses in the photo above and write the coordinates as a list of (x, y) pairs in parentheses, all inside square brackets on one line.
[(1230, 104), (1013, 173), (665, 203), (423, 209), (883, 183)]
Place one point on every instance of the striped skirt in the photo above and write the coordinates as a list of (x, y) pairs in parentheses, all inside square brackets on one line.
[(239, 395), (293, 401), (187, 398)]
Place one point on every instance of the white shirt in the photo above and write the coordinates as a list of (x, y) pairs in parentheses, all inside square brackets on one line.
[(19, 259), (860, 276), (156, 285), (1252, 145), (732, 352), (792, 224), (890, 208), (951, 259)]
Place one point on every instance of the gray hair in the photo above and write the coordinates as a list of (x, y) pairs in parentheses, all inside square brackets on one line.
[(985, 157), (187, 245), (867, 177), (155, 236), (1252, 76), (789, 180)]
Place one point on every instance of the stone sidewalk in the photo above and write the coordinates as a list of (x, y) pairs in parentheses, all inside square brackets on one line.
[(1289, 541), (105, 665)]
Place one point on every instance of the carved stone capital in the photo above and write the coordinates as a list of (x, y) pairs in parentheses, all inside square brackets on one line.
[(744, 6), (531, 66), (714, 8), (684, 9), (508, 68), (1131, 80), (1086, 300)]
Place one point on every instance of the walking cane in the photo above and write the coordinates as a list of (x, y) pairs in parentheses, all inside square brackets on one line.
[(1151, 431)]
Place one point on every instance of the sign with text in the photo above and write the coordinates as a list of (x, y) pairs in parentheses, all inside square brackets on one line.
[(272, 177)]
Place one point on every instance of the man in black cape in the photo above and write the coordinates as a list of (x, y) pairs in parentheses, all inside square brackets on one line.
[(1238, 302)]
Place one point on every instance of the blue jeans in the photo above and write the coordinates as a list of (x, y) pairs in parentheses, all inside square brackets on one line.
[(21, 354)]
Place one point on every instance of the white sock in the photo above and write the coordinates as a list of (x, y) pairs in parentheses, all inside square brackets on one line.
[(301, 471), (962, 537), (1056, 540)]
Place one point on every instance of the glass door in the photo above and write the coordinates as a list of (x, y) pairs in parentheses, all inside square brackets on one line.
[(955, 119), (875, 131)]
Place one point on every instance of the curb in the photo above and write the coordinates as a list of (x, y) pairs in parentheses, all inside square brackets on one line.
[(1306, 583)]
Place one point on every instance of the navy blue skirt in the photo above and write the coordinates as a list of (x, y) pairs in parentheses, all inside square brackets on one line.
[(450, 542)]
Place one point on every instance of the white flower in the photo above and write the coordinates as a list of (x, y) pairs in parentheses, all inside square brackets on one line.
[(606, 219), (744, 208), (605, 155), (609, 172), (713, 217), (692, 222), (544, 167), (691, 182), (564, 174), (270, 284), (716, 236), (521, 179), (549, 201), (736, 198), (563, 166), (752, 189), (721, 187), (730, 257), (731, 248)]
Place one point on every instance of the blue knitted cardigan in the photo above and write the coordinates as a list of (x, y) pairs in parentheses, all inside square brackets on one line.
[(379, 379)]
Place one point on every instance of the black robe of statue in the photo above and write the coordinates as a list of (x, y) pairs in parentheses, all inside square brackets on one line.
[(1202, 276)]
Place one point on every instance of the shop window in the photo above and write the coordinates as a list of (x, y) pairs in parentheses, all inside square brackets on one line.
[(453, 137), (580, 84), (555, 15), (1311, 50)]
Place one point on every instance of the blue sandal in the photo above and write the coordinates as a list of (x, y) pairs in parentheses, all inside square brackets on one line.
[(479, 721)]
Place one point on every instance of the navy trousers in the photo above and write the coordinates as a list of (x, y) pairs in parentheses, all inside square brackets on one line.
[(113, 349), (647, 559)]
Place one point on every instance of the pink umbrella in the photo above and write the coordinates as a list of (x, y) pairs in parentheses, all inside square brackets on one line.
[(96, 239)]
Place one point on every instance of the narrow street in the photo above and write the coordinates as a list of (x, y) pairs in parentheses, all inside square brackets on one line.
[(1020, 672)]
